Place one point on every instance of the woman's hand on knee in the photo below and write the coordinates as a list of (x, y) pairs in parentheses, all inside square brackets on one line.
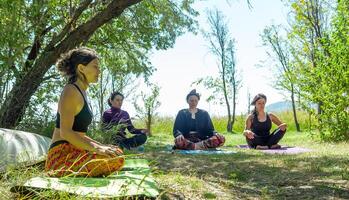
[(180, 137), (249, 134), (283, 126), (108, 151), (145, 131)]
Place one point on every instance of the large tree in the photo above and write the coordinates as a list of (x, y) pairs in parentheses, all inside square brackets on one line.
[(35, 33)]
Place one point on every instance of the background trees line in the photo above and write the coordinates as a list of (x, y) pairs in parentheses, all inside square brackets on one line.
[(312, 58), (311, 63), (312, 55)]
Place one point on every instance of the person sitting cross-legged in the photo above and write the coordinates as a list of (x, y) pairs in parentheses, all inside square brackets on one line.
[(120, 119), (258, 125), (193, 128), (72, 152)]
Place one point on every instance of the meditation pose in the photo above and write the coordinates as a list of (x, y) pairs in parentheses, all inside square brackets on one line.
[(258, 125), (120, 119), (72, 152), (193, 128)]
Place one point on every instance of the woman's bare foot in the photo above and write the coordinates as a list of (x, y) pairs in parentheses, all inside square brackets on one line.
[(275, 146), (261, 147)]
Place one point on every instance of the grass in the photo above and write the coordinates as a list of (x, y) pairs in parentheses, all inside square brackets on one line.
[(322, 173), (250, 174)]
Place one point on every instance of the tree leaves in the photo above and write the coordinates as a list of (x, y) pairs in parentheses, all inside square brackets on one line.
[(36, 32)]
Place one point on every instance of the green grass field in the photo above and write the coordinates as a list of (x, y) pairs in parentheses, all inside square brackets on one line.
[(165, 124), (322, 173)]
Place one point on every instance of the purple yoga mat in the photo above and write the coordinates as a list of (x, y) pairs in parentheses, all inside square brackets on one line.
[(282, 150)]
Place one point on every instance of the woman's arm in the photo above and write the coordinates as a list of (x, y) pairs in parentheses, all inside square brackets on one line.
[(177, 124), (70, 103), (278, 122), (91, 140), (247, 132), (210, 126), (130, 126)]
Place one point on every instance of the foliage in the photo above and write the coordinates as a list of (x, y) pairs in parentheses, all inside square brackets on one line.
[(147, 110), (38, 117), (286, 72), (321, 51), (35, 33)]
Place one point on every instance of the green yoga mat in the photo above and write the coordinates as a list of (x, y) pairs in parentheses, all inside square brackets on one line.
[(132, 164), (135, 180)]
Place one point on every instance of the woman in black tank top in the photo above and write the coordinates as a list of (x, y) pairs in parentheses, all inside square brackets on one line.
[(258, 125), (72, 151)]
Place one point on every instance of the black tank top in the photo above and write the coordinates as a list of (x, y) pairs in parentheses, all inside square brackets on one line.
[(261, 128), (82, 120)]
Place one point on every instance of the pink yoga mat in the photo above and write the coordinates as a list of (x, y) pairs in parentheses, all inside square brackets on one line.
[(282, 150)]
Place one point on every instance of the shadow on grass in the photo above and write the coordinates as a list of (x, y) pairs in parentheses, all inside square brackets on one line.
[(251, 174)]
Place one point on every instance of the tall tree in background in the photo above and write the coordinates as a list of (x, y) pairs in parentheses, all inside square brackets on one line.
[(334, 73), (35, 33), (286, 72), (147, 111), (222, 46), (320, 48), (310, 33), (234, 81)]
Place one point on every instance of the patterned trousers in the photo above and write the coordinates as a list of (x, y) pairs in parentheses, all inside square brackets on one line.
[(194, 143), (65, 160)]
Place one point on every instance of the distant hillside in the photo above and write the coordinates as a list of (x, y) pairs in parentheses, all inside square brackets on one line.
[(279, 106)]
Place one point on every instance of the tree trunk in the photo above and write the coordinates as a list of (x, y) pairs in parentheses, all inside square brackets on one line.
[(149, 121), (101, 98), (13, 108), (319, 109), (294, 109), (234, 106), (310, 125), (229, 124)]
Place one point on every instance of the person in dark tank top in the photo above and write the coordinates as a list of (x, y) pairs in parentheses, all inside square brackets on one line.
[(72, 152), (258, 126)]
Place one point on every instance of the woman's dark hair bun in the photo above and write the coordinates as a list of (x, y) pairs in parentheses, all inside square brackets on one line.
[(68, 62)]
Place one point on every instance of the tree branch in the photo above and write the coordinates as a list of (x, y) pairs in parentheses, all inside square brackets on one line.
[(67, 27), (34, 51)]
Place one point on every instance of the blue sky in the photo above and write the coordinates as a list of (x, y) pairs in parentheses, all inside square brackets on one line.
[(190, 59)]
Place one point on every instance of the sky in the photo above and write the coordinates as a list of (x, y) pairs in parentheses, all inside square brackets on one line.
[(190, 59)]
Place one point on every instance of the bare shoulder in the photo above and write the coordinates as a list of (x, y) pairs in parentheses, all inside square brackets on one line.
[(249, 117), (271, 114), (273, 117), (71, 94)]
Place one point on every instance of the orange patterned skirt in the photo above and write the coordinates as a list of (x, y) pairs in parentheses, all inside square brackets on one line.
[(64, 159)]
